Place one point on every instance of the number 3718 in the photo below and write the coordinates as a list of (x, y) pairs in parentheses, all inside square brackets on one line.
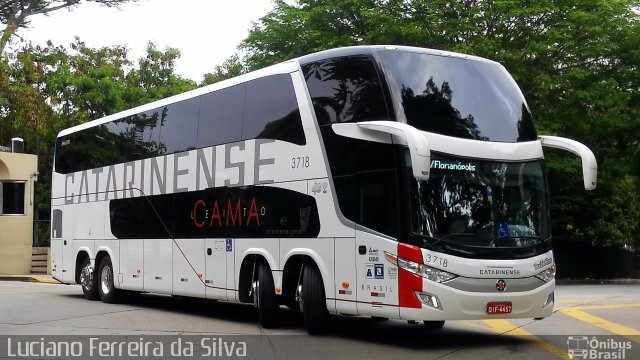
[(299, 162)]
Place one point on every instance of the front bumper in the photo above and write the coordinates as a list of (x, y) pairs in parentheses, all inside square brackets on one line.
[(466, 305)]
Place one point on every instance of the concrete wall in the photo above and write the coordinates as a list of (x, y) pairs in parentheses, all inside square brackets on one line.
[(16, 231)]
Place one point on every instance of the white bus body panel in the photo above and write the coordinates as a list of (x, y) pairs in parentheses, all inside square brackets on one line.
[(189, 267), (132, 270), (377, 286), (215, 277), (158, 265), (345, 274), (68, 246)]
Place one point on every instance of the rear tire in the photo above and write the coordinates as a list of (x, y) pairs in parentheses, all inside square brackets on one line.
[(108, 292), (88, 280), (314, 304), (266, 301), (433, 325)]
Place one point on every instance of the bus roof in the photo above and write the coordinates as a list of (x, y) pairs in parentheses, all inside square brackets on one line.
[(371, 49)]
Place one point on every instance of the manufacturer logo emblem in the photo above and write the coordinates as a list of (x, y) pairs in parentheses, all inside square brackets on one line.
[(501, 285)]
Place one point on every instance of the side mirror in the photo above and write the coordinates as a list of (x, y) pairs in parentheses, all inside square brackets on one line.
[(589, 163), (391, 132)]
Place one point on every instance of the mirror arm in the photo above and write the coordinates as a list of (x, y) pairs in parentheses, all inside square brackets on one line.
[(414, 139), (589, 162)]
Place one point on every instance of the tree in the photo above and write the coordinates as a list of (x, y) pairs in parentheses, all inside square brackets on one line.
[(155, 77), (231, 67), (15, 14), (46, 89), (576, 61)]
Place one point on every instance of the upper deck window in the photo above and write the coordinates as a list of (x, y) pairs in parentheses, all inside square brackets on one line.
[(345, 89), (457, 97)]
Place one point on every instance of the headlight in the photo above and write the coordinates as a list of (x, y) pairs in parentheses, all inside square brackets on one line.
[(426, 272), (548, 274)]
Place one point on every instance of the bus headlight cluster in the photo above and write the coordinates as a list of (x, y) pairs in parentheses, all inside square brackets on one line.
[(426, 272), (548, 274)]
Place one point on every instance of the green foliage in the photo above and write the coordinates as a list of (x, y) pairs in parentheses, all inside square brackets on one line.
[(44, 90), (230, 68), (576, 61)]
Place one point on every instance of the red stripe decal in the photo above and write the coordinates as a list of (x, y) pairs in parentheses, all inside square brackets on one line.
[(409, 283)]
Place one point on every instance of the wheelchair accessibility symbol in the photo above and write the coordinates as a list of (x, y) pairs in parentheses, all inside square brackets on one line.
[(503, 230)]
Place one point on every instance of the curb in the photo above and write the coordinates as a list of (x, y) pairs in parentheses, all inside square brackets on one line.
[(30, 278), (598, 282)]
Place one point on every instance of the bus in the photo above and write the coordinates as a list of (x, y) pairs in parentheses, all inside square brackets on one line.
[(380, 181)]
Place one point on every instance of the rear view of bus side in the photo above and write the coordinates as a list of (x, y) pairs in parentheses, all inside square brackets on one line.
[(394, 182)]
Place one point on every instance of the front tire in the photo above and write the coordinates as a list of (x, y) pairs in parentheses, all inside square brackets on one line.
[(314, 304), (88, 280), (106, 288), (267, 302)]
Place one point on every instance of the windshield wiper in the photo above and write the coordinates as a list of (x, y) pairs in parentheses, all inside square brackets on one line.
[(516, 237), (438, 240)]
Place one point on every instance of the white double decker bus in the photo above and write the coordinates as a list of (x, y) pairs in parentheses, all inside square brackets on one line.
[(382, 181)]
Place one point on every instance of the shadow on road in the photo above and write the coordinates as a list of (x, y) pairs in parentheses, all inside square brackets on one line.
[(360, 329)]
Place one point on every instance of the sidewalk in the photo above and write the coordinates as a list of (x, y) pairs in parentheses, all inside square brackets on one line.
[(45, 279)]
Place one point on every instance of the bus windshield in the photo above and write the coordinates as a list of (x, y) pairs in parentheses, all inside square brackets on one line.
[(459, 97), (481, 203)]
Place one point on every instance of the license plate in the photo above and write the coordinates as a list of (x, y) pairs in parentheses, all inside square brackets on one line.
[(499, 307)]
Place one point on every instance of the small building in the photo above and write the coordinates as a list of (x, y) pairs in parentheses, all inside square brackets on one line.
[(18, 173)]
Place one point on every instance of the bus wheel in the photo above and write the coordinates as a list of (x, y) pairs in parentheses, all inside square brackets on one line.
[(88, 280), (314, 305), (266, 297), (433, 325), (106, 288)]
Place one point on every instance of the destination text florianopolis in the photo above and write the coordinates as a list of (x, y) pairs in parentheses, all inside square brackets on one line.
[(441, 165)]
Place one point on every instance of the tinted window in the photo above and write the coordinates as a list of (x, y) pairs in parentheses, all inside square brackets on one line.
[(91, 148), (252, 212), (221, 114), (12, 198), (377, 201), (146, 133), (271, 110), (130, 138), (179, 126), (457, 97), (345, 89), (126, 138)]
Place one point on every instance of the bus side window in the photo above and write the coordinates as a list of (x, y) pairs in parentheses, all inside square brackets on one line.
[(221, 117), (271, 110), (179, 126), (345, 89)]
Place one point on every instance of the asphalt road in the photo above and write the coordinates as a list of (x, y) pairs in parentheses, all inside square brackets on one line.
[(594, 321)]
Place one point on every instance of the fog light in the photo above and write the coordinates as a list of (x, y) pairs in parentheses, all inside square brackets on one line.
[(429, 300), (550, 300)]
